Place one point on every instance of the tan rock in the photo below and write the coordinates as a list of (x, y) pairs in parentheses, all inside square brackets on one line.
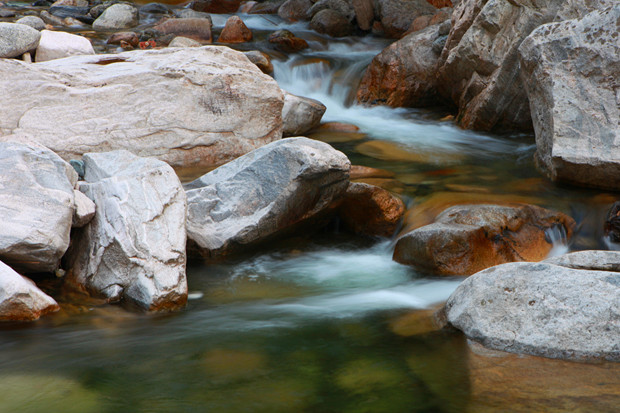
[(197, 29)]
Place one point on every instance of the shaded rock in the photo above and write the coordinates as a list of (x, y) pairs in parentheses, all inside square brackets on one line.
[(300, 114), (364, 13), (440, 3), (612, 223), (181, 41), (403, 74), (337, 127), (117, 16), (84, 210), (134, 248), (36, 207), (370, 210), (549, 309), (72, 16), (570, 71), (469, 238), (33, 21), (197, 29), (267, 7), (286, 41), (479, 69), (396, 16), (332, 23), (224, 106), (20, 299), (56, 45), (263, 194), (294, 10), (342, 7), (215, 6), (129, 37), (52, 20), (261, 60), (235, 31), (70, 3), (17, 39)]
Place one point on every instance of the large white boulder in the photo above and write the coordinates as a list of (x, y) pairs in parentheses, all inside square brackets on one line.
[(21, 299), (36, 206), (134, 248), (570, 71), (56, 45), (566, 307), (263, 194), (199, 106)]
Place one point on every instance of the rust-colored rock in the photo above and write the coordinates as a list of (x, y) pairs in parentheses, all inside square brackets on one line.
[(235, 31), (197, 29), (216, 6), (440, 3), (469, 238), (267, 7), (370, 210), (286, 41), (130, 38), (337, 127)]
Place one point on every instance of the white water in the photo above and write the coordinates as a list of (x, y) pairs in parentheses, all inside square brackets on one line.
[(559, 239)]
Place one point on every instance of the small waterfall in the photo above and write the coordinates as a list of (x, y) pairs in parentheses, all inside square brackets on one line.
[(557, 236)]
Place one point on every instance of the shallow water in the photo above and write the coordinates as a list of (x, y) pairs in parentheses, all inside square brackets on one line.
[(329, 324)]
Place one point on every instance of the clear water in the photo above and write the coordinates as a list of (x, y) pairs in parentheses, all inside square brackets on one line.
[(327, 324)]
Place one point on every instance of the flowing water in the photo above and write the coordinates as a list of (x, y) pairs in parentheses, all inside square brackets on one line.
[(326, 324)]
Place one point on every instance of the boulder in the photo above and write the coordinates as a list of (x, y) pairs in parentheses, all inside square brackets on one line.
[(20, 299), (117, 16), (267, 7), (263, 194), (134, 248), (235, 31), (343, 7), (223, 105), (193, 28), (36, 207), (396, 16), (567, 307), (56, 45), (364, 13), (294, 10), (403, 73), (215, 6), (300, 114), (261, 60), (33, 21), (331, 23), (370, 210), (286, 41), (570, 72), (17, 39), (479, 68), (466, 239)]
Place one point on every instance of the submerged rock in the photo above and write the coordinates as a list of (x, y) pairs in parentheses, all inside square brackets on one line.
[(300, 114), (263, 194), (134, 248), (469, 238), (20, 299), (223, 105), (567, 307), (17, 39), (36, 207), (570, 71), (56, 45)]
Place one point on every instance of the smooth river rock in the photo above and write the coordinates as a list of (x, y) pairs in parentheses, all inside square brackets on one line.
[(117, 16), (21, 299), (466, 239), (479, 68), (36, 207), (567, 307), (396, 16), (134, 248), (17, 39), (263, 194), (300, 114), (570, 71), (56, 45), (200, 106)]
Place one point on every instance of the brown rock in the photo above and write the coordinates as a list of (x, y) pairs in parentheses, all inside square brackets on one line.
[(130, 38), (362, 172), (235, 31), (440, 3), (364, 13), (294, 10), (246, 6), (370, 210), (197, 29), (419, 322), (419, 23), (215, 6), (331, 23), (286, 41), (403, 74), (261, 60), (440, 17), (469, 238), (267, 7), (397, 15)]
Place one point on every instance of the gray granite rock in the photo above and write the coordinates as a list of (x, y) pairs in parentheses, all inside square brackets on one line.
[(17, 39), (300, 114), (33, 21), (134, 248), (117, 16), (262, 194), (567, 307)]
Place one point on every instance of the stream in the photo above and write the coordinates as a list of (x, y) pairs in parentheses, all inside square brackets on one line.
[(326, 324)]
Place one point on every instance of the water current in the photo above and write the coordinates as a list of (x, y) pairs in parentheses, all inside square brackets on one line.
[(326, 324)]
